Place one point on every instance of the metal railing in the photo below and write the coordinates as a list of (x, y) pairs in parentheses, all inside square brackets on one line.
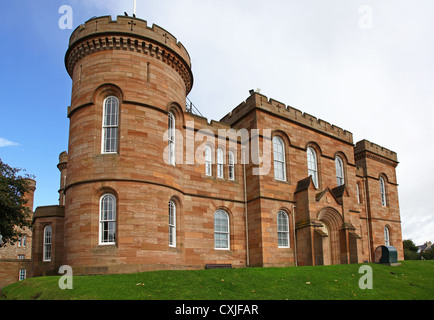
[(191, 108)]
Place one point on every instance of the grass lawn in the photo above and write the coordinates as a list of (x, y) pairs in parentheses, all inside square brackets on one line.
[(412, 280)]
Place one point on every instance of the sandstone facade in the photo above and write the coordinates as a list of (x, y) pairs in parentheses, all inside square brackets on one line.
[(137, 191)]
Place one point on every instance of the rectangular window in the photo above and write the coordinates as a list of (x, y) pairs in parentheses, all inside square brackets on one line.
[(219, 163), (231, 165), (22, 274)]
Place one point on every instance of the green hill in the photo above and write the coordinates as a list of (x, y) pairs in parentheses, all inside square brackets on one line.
[(412, 280)]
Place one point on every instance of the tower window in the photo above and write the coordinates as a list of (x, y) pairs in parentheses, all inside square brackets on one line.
[(339, 171), (110, 125), (386, 236), (107, 228), (312, 168), (172, 224), (383, 192), (171, 130), (279, 159)]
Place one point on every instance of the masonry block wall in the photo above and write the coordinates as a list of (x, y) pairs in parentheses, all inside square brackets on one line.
[(326, 221), (15, 258)]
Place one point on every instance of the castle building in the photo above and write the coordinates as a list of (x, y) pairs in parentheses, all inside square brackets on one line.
[(147, 184)]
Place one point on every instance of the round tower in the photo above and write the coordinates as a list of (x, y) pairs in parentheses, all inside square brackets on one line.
[(129, 84)]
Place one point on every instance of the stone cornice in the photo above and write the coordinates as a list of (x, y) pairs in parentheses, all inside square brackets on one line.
[(113, 41)]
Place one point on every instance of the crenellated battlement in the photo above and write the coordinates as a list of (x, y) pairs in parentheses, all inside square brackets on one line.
[(128, 25), (364, 146), (132, 34), (257, 100)]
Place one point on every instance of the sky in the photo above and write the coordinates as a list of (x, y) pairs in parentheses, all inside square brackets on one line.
[(365, 66)]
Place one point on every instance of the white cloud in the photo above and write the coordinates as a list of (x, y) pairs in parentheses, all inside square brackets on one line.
[(312, 55), (7, 143)]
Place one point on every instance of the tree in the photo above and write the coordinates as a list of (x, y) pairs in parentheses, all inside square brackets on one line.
[(14, 215), (410, 250)]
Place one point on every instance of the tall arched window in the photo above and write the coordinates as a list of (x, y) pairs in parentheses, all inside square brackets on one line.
[(383, 192), (208, 168), (386, 236), (282, 229), (312, 168), (107, 219), (46, 250), (110, 125), (171, 138), (231, 165), (359, 192), (220, 158), (172, 224), (221, 230), (279, 159), (339, 171)]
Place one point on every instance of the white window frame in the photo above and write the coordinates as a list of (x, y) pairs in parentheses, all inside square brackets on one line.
[(22, 274), (386, 236), (47, 243), (340, 176), (171, 138), (110, 128), (279, 159), (383, 192), (231, 165), (106, 220), (208, 161), (221, 231), (220, 161), (312, 165), (172, 224), (282, 230)]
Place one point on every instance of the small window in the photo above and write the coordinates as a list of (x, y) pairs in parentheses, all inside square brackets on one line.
[(339, 171), (282, 229), (171, 131), (312, 168), (110, 125), (208, 167), (221, 230), (46, 254), (231, 165), (22, 274), (21, 257), (220, 163), (383, 192), (107, 228), (279, 159), (386, 236), (172, 224), (359, 193)]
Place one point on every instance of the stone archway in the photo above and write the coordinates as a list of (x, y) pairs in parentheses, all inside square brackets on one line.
[(330, 246)]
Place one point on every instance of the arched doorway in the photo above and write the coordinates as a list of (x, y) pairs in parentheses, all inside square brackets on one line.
[(332, 221)]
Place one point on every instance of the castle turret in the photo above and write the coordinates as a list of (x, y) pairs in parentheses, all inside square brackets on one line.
[(126, 79)]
